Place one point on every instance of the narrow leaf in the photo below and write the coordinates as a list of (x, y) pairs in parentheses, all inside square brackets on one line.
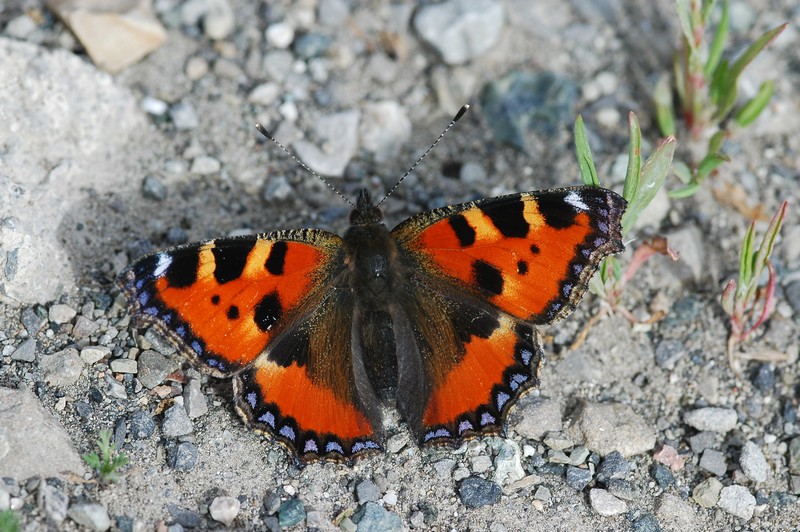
[(709, 163), (665, 108), (682, 172), (584, 154), (653, 174), (685, 192), (718, 44), (631, 189), (756, 105), (716, 141)]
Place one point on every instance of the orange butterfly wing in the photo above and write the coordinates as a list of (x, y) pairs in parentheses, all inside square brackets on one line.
[(498, 266), (243, 306)]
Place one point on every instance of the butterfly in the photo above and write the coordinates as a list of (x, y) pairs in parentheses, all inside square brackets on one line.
[(439, 314)]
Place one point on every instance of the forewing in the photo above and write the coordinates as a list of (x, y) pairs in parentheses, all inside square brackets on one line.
[(530, 254)]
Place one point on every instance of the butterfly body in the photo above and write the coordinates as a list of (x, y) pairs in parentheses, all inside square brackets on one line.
[(438, 314)]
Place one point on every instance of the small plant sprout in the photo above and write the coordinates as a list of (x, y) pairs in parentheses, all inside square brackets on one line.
[(107, 463), (707, 87), (8, 521), (747, 302), (642, 182)]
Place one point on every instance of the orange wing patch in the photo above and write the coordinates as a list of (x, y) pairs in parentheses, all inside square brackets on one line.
[(530, 254), (220, 302)]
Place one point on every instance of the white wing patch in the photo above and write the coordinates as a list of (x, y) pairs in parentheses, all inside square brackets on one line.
[(575, 200)]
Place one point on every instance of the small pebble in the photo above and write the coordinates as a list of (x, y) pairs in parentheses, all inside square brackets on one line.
[(205, 165), (662, 476), (291, 512), (702, 441), (367, 491), (142, 425), (606, 504), (182, 456), (153, 106), (91, 515), (176, 422), (280, 35), (184, 116), (475, 492), (124, 365), (712, 419), (578, 478), (61, 314), (264, 94), (196, 68), (706, 493), (25, 352), (737, 500), (753, 463), (224, 509), (624, 489), (714, 462), (94, 353), (373, 516), (613, 466)]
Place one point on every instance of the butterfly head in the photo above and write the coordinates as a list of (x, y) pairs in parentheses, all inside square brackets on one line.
[(366, 212)]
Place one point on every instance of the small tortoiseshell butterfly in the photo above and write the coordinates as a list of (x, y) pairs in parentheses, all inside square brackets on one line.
[(440, 313)]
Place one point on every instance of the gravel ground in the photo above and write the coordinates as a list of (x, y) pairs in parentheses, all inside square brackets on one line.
[(643, 427)]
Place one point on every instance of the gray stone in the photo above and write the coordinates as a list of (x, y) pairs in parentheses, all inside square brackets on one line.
[(714, 462), (480, 463), (753, 463), (56, 503), (507, 461), (280, 35), (194, 400), (20, 27), (522, 103), (91, 515), (608, 427), (668, 352), (219, 19), (63, 368), (25, 352), (578, 478), (84, 327), (385, 128), (676, 513), (444, 467), (398, 442), (311, 45), (706, 493), (176, 422), (373, 517), (460, 30), (182, 456), (153, 106), (714, 419), (662, 475), (124, 365), (339, 135), (153, 188), (737, 500), (792, 293), (558, 441), (606, 504), (264, 94), (278, 65), (693, 264), (224, 509), (60, 94), (473, 173), (184, 116), (333, 12), (475, 492), (367, 491), (292, 512), (94, 353), (142, 425), (794, 455), (613, 466), (623, 489), (205, 165), (538, 416), (702, 441), (61, 314), (114, 388), (154, 368), (542, 493)]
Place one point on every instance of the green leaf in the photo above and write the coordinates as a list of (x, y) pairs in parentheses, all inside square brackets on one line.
[(756, 105), (653, 174), (718, 44), (584, 154), (746, 262), (716, 141), (709, 163), (708, 7), (684, 16), (684, 192), (682, 172), (630, 191), (665, 107)]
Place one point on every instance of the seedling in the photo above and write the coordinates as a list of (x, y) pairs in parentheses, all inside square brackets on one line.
[(107, 462), (707, 88), (747, 302), (8, 521), (642, 182)]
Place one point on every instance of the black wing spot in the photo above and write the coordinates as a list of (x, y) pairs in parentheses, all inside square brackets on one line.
[(470, 321), (291, 349), (522, 267), (535, 249), (277, 258), (464, 232), (268, 311), (488, 277), (182, 271), (233, 312), (215, 299), (508, 218), (229, 262), (557, 213)]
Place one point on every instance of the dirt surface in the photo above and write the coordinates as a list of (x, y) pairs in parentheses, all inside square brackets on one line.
[(611, 51)]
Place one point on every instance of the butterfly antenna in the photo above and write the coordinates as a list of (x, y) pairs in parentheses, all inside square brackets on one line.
[(455, 119), (261, 129)]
